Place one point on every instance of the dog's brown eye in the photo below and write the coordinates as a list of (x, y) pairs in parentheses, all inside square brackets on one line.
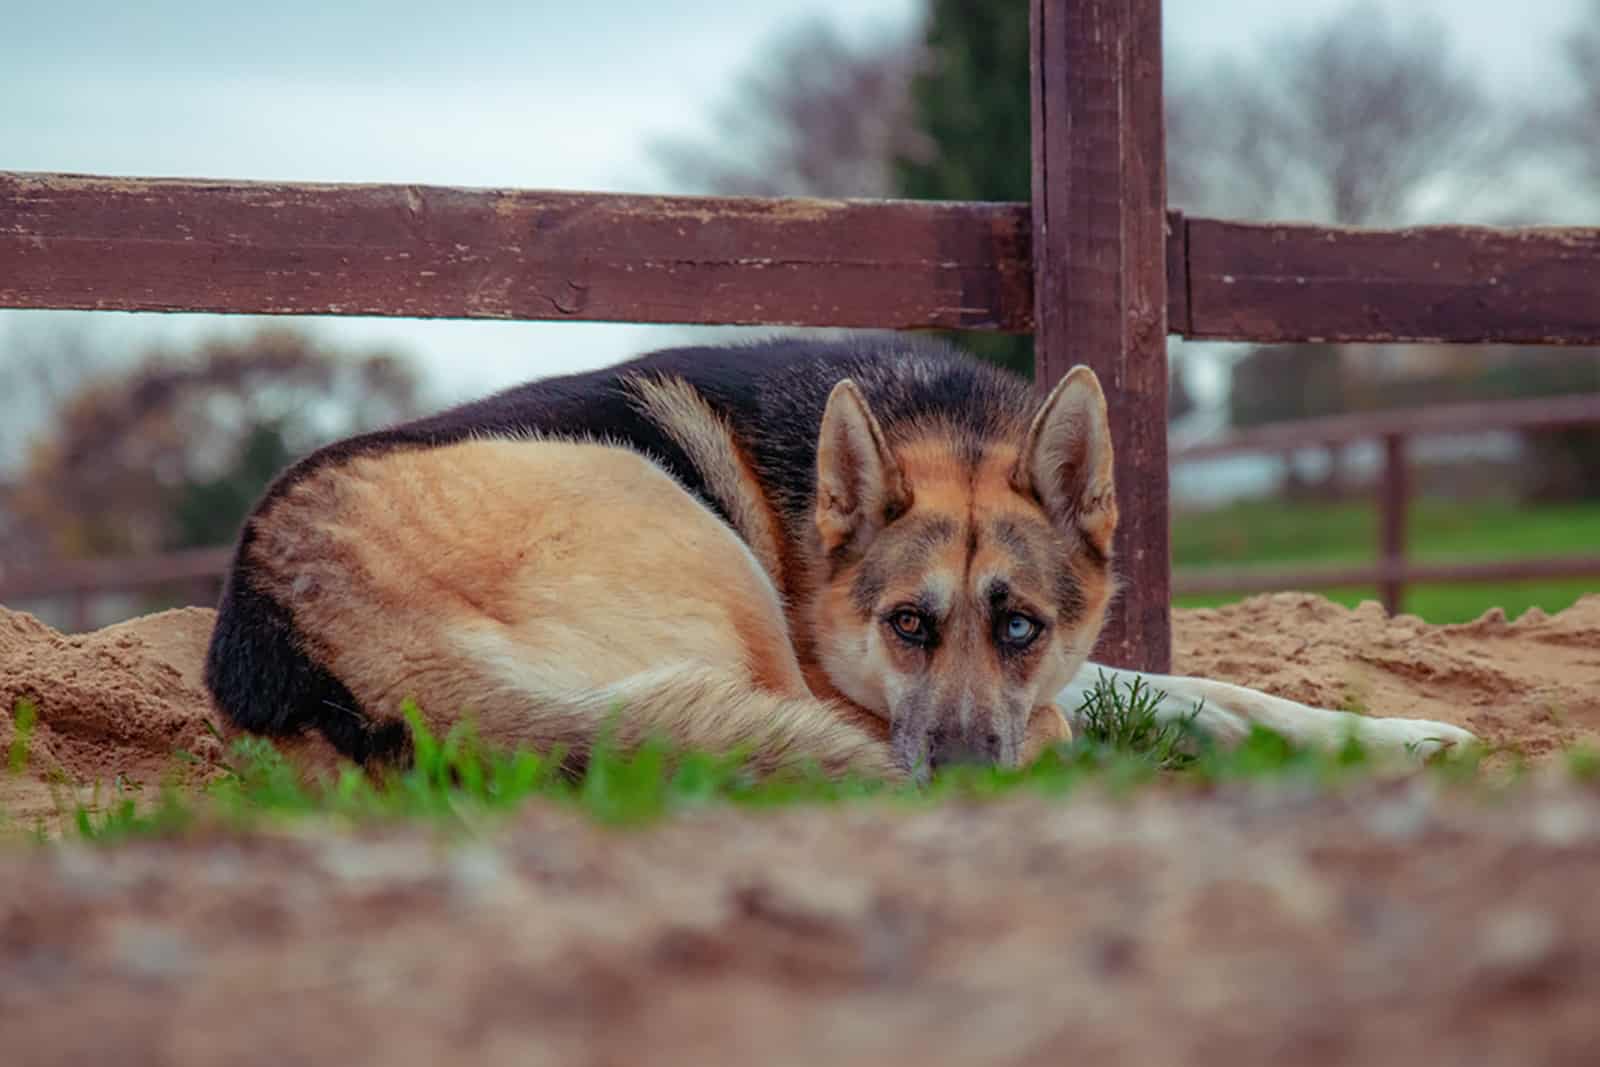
[(909, 624)]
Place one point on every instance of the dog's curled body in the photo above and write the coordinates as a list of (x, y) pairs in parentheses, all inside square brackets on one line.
[(875, 554)]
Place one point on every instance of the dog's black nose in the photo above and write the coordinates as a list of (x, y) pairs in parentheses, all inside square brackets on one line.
[(949, 744)]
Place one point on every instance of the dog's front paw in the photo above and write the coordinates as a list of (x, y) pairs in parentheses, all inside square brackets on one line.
[(1047, 728)]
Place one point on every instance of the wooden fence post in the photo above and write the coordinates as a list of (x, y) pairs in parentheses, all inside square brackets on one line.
[(79, 614), (1100, 283), (1392, 499)]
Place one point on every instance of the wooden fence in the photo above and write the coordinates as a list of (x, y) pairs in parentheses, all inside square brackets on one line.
[(1391, 572), (1095, 267)]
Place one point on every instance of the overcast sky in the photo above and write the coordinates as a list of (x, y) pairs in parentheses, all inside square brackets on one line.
[(485, 92)]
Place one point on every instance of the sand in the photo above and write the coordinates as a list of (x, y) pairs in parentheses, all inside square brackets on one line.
[(119, 702)]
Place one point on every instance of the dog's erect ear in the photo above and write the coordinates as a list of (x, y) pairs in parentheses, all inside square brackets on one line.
[(860, 487), (1065, 461)]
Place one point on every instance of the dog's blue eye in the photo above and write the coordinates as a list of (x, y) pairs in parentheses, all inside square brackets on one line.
[(1020, 629)]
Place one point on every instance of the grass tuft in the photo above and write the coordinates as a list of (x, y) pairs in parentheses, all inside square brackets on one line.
[(1128, 720), (24, 718)]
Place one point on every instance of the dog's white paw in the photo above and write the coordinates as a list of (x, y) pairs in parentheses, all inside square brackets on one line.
[(1421, 738)]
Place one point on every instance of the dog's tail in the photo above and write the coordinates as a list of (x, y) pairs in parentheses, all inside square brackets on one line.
[(688, 707)]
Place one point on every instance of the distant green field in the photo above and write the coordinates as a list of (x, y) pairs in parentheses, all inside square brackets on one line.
[(1281, 534)]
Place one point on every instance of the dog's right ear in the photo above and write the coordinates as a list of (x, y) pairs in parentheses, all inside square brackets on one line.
[(860, 487)]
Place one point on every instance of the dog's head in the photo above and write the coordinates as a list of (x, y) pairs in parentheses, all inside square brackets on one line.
[(964, 582)]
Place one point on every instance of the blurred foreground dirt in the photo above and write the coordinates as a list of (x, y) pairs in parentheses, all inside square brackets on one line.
[(1263, 927)]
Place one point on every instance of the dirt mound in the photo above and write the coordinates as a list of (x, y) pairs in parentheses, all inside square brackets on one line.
[(117, 702), (1532, 683), (121, 701)]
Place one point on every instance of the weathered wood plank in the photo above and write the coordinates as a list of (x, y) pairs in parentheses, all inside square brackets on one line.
[(1101, 268), (261, 248), (1533, 413), (1276, 283), (131, 244)]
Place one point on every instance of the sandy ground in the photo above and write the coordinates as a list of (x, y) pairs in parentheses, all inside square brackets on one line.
[(1395, 925)]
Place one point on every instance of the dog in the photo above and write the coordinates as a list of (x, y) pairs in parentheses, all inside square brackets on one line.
[(877, 556)]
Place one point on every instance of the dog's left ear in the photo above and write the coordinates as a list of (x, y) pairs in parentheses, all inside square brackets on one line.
[(1065, 461), (860, 487)]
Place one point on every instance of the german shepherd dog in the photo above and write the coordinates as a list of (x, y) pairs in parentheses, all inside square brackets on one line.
[(876, 555)]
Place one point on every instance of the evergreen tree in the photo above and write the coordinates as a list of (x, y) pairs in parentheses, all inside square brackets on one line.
[(971, 101)]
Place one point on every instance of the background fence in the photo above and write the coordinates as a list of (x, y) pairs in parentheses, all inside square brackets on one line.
[(1391, 571)]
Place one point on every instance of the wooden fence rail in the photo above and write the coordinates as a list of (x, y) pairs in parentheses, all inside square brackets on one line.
[(1392, 571), (140, 244)]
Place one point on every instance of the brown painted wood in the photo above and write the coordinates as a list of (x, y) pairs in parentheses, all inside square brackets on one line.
[(1220, 580), (1101, 271), (1547, 412), (1272, 282), (1394, 496), (281, 249)]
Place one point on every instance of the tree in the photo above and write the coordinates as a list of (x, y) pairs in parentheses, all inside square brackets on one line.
[(173, 451), (1577, 128), (1354, 121), (970, 98), (815, 116), (1566, 463)]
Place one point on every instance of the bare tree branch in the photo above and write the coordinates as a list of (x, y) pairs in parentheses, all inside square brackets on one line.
[(816, 116), (1352, 122)]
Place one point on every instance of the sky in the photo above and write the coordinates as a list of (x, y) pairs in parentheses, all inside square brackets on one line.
[(525, 93)]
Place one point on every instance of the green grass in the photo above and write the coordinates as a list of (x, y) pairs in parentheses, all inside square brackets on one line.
[(461, 785), (1270, 532), (24, 717)]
